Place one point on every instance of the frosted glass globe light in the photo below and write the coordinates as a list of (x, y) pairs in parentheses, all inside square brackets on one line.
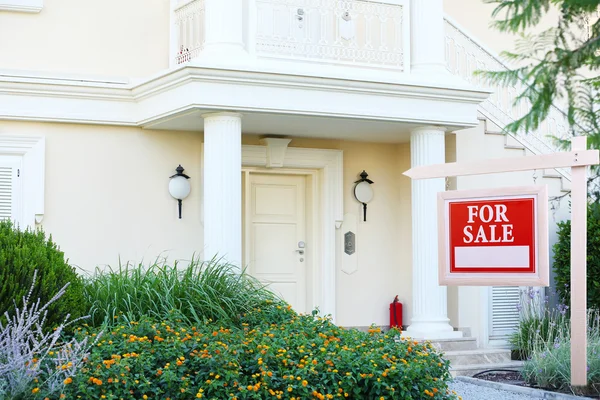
[(179, 187), (363, 192)]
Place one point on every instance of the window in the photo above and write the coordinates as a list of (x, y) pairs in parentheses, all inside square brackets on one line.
[(30, 6), (10, 188), (22, 173)]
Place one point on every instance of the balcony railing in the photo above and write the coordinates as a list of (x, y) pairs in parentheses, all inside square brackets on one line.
[(372, 34), (189, 20)]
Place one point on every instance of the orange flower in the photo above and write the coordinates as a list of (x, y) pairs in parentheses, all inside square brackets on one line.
[(68, 380), (35, 390)]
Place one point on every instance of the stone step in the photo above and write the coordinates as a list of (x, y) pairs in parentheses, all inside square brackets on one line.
[(445, 345), (475, 357), (470, 370)]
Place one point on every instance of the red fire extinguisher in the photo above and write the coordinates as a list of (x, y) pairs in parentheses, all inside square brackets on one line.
[(396, 313)]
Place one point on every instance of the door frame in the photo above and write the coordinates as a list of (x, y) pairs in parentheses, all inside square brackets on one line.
[(326, 168), (312, 255)]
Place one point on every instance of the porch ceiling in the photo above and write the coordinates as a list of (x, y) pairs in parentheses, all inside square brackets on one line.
[(300, 126)]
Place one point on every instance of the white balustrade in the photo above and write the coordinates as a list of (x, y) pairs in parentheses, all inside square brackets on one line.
[(355, 32), (464, 56), (350, 32), (189, 19)]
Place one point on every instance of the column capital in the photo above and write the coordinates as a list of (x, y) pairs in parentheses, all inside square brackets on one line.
[(428, 128), (220, 114)]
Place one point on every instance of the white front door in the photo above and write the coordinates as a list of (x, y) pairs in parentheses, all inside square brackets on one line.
[(276, 234)]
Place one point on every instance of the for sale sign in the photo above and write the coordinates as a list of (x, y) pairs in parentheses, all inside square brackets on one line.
[(494, 237)]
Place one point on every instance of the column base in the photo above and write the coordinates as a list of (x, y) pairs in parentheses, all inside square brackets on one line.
[(431, 330)]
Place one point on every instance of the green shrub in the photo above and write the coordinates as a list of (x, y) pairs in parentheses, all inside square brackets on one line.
[(302, 357), (562, 260), (196, 293), (22, 253)]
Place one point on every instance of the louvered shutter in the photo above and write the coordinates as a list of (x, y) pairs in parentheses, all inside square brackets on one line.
[(504, 317), (6, 191)]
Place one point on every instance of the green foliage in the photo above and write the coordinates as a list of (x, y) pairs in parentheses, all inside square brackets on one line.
[(194, 294), (557, 66), (562, 260), (549, 362), (22, 253), (301, 357)]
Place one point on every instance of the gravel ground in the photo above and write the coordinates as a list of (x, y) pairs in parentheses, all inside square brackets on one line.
[(469, 391)]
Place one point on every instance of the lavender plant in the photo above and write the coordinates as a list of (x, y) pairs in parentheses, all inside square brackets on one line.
[(549, 363), (34, 360), (539, 323), (543, 338)]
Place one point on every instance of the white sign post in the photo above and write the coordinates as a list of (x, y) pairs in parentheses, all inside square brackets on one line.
[(578, 159)]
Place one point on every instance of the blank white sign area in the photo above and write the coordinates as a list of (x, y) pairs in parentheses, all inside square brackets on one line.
[(491, 257)]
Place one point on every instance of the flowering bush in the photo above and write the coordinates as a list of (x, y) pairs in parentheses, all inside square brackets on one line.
[(299, 357)]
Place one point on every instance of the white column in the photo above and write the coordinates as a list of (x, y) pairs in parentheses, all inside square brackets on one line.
[(222, 191), (224, 29), (427, 36), (429, 321)]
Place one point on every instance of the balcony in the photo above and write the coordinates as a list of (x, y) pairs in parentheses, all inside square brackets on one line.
[(355, 33)]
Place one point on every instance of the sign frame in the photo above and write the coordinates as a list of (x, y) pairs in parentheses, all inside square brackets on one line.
[(541, 274)]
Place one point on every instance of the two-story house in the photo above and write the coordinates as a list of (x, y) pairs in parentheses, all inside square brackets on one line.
[(274, 108)]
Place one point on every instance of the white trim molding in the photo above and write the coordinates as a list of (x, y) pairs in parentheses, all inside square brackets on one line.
[(330, 164), (27, 6), (32, 150), (173, 94)]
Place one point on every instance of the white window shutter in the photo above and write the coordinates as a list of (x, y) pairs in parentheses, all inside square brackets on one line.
[(6, 191), (504, 318)]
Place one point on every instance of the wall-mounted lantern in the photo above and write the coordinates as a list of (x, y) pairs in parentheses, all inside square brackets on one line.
[(179, 186), (363, 192)]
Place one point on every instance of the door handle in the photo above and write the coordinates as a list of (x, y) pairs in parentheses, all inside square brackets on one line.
[(301, 251)]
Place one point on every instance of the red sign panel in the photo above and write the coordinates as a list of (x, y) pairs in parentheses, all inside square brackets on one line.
[(494, 237)]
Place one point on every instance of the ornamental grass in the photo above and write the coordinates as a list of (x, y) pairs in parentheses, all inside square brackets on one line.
[(194, 293)]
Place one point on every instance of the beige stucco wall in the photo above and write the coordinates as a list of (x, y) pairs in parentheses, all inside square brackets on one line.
[(107, 192), (107, 198), (103, 38)]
